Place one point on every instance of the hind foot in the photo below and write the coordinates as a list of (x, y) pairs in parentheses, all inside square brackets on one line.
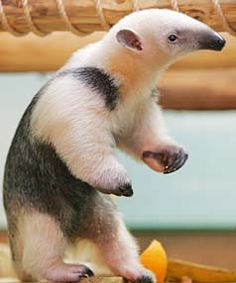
[(137, 275), (68, 272), (148, 277)]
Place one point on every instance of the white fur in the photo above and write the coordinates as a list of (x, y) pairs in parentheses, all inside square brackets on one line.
[(120, 253), (87, 252), (74, 119), (43, 248), (70, 116), (42, 243)]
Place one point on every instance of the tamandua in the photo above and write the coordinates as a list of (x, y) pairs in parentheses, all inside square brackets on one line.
[(62, 166)]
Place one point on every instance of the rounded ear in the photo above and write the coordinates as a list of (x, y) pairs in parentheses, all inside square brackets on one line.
[(129, 39)]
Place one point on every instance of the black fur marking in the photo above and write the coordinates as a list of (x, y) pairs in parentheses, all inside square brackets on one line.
[(99, 81), (37, 179), (102, 82)]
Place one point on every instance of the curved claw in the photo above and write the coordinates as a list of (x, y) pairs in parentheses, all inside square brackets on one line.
[(167, 161), (177, 165)]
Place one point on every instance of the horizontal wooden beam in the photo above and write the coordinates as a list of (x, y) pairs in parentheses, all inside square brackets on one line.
[(32, 53), (179, 269), (83, 14), (199, 89)]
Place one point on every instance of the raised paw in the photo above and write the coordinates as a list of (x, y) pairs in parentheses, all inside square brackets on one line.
[(167, 160), (68, 273)]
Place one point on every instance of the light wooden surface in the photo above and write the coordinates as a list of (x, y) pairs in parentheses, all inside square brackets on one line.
[(97, 279), (178, 269), (83, 13), (199, 89), (103, 279), (33, 53)]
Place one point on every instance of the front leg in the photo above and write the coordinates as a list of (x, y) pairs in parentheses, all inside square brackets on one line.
[(73, 119), (75, 122), (151, 143), (88, 151)]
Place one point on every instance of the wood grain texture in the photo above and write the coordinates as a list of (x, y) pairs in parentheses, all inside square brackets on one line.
[(83, 14), (178, 269), (35, 54), (199, 89)]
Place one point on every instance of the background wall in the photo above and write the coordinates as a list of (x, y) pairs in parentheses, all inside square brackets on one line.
[(201, 195)]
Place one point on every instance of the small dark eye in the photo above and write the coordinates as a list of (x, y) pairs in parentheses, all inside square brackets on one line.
[(172, 38)]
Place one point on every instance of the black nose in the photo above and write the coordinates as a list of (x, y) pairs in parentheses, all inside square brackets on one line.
[(212, 42), (218, 43)]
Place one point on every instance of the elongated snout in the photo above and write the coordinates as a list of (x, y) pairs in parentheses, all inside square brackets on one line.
[(212, 41)]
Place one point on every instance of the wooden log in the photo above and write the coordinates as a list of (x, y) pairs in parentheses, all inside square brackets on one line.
[(198, 90), (177, 269), (103, 279), (32, 53), (35, 54), (83, 14)]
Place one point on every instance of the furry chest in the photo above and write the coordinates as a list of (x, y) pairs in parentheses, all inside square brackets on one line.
[(124, 119)]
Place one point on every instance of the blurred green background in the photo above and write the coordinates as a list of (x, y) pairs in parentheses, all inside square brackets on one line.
[(199, 196)]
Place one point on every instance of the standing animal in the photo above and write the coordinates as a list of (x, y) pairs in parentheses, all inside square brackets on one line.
[(62, 168)]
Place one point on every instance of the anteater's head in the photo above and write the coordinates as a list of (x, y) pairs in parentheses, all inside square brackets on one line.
[(162, 35)]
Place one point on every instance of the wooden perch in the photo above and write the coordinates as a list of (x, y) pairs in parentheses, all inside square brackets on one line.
[(178, 269), (103, 279), (83, 14), (35, 54), (198, 89)]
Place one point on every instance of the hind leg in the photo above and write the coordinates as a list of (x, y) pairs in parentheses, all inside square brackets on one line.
[(120, 253), (43, 245)]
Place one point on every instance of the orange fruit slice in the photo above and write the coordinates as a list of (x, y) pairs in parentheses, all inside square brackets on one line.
[(154, 258)]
